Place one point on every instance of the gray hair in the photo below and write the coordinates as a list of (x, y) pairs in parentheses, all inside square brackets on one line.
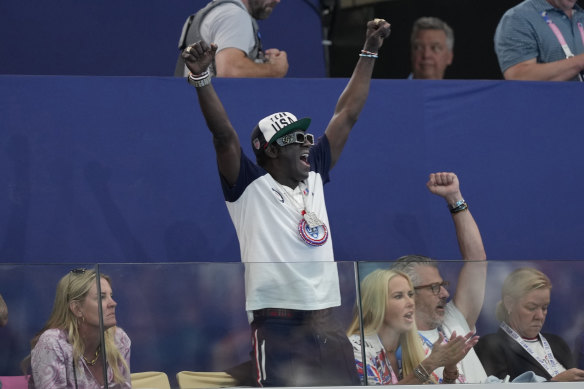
[(408, 264), (432, 23)]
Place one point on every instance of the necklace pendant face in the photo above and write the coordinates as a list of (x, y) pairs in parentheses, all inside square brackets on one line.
[(312, 220), (315, 236)]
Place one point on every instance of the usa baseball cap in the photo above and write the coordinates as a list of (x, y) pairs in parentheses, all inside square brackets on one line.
[(275, 126)]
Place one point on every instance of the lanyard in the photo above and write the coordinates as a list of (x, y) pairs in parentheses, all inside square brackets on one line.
[(426, 341), (549, 363), (561, 39), (461, 378)]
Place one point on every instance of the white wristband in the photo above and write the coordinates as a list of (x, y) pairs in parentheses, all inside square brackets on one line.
[(200, 80)]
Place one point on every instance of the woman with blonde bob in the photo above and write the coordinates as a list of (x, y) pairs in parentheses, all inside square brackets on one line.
[(387, 305), (519, 346), (67, 352)]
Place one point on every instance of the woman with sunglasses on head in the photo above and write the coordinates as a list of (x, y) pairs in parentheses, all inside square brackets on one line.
[(519, 346), (393, 351), (67, 352)]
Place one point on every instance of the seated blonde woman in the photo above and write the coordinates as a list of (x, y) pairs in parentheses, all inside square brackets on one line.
[(387, 301), (519, 345), (67, 352)]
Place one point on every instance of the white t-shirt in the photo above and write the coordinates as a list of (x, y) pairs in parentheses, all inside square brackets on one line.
[(282, 271), (470, 368)]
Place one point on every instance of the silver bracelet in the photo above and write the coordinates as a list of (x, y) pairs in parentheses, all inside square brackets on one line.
[(199, 80), (423, 376)]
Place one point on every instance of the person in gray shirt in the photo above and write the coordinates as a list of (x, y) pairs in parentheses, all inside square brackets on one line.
[(232, 26)]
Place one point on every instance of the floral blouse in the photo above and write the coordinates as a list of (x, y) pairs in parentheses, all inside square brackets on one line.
[(52, 363), (378, 367)]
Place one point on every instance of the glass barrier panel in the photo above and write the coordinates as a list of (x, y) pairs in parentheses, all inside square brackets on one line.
[(470, 300), (192, 316)]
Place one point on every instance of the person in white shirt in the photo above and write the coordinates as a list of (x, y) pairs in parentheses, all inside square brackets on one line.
[(435, 316), (277, 207)]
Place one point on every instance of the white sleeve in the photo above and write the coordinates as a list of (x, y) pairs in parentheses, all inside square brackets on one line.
[(454, 320)]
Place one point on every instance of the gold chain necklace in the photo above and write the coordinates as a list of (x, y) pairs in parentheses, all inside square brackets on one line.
[(94, 360)]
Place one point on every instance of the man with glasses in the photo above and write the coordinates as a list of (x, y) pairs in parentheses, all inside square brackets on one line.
[(434, 313), (279, 213)]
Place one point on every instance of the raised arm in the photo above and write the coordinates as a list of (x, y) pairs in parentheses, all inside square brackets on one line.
[(470, 292), (197, 57), (232, 62), (353, 98), (563, 70)]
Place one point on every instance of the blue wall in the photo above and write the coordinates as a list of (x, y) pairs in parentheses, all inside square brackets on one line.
[(123, 169), (134, 38)]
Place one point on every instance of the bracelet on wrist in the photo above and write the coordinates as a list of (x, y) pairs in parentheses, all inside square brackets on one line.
[(199, 80), (369, 54), (449, 378), (421, 374), (459, 206)]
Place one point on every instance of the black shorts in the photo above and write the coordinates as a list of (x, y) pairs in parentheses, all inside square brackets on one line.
[(301, 348)]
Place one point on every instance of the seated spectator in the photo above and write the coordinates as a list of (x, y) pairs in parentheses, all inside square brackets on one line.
[(67, 352), (432, 42), (519, 346), (3, 312), (541, 40), (232, 26), (387, 304)]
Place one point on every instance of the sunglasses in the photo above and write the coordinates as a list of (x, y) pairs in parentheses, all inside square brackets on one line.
[(434, 287), (295, 137)]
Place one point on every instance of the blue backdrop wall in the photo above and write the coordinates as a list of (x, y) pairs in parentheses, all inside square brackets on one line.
[(123, 169)]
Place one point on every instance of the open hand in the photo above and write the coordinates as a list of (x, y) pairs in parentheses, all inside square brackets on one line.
[(453, 351)]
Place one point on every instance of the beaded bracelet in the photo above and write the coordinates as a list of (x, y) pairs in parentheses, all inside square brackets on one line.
[(459, 206), (199, 80), (450, 378), (369, 54)]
